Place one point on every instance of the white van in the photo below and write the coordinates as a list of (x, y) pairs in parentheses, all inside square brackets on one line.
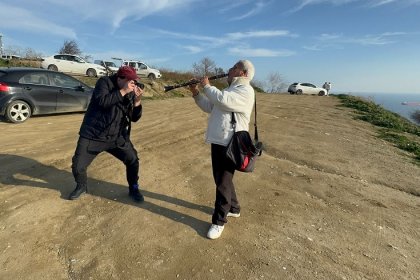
[(142, 69)]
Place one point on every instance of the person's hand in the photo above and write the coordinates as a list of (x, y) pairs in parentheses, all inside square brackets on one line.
[(205, 81), (138, 92), (193, 87)]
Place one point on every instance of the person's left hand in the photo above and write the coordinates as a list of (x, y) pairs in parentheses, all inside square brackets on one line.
[(138, 92), (193, 87)]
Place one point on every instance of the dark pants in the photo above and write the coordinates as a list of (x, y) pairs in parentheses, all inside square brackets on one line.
[(87, 150), (223, 171)]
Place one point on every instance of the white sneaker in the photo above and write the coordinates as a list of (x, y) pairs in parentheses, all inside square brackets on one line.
[(215, 231), (235, 215)]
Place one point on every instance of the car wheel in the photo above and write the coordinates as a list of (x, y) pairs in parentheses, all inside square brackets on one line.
[(299, 91), (52, 67), (321, 93), (151, 76), (18, 111), (91, 72)]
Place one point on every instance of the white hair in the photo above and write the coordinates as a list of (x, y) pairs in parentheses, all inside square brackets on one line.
[(248, 68)]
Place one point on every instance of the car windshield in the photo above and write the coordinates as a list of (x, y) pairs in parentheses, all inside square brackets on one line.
[(110, 64)]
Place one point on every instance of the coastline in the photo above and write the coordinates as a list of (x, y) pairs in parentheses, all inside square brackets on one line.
[(392, 101)]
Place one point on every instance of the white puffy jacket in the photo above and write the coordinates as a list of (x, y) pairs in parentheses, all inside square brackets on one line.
[(239, 98)]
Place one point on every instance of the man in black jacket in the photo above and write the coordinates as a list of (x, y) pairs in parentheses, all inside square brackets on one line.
[(115, 103)]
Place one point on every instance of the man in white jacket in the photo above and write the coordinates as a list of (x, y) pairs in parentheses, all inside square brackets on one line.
[(238, 98)]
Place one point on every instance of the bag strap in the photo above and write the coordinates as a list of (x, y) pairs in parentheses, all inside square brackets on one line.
[(233, 121), (255, 121)]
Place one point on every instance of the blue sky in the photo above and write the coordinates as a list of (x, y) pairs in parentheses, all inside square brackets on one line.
[(357, 45)]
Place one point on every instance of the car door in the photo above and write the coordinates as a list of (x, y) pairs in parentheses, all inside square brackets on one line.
[(134, 65), (142, 70), (79, 65), (62, 63), (309, 88), (35, 86), (72, 95)]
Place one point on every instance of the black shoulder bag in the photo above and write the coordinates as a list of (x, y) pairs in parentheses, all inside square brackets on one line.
[(242, 150)]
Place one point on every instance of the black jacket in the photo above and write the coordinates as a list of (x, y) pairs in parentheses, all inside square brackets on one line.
[(109, 114)]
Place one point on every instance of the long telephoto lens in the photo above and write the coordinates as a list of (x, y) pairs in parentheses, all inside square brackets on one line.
[(140, 85)]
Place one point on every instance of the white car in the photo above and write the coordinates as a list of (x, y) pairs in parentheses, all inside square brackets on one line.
[(73, 64), (142, 69), (107, 64), (306, 88)]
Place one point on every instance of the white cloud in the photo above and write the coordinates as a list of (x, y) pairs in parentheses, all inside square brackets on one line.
[(111, 12), (381, 3), (327, 40), (208, 42), (259, 6), (329, 37), (21, 19), (258, 34), (251, 52), (312, 48), (367, 3), (234, 5), (193, 49)]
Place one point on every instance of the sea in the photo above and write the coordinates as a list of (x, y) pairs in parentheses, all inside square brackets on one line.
[(403, 104)]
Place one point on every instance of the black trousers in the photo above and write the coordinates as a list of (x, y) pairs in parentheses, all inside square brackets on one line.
[(87, 150), (223, 171)]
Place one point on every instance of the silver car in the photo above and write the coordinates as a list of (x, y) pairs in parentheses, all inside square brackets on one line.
[(306, 88), (73, 64)]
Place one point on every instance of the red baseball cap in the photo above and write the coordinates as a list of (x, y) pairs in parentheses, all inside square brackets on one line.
[(127, 72)]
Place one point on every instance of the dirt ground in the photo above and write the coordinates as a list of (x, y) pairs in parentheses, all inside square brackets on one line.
[(328, 200)]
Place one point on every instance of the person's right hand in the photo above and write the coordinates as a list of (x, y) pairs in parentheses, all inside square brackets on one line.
[(194, 87)]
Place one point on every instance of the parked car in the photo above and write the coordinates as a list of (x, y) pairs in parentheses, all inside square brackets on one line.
[(107, 65), (11, 56), (142, 69), (73, 64), (305, 88), (33, 91)]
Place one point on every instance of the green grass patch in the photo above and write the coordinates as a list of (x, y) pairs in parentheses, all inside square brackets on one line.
[(402, 142), (394, 128)]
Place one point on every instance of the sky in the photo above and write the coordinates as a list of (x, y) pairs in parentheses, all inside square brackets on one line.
[(357, 45)]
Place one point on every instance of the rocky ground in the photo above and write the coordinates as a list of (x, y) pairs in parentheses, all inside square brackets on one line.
[(328, 200)]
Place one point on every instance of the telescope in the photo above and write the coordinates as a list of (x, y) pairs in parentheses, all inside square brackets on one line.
[(168, 88)]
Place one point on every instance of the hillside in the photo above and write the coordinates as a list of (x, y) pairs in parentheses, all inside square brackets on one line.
[(328, 200)]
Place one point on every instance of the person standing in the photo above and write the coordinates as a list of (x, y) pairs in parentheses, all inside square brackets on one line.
[(327, 87), (238, 98), (115, 103)]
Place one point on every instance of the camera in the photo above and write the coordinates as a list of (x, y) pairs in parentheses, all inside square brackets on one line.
[(140, 85)]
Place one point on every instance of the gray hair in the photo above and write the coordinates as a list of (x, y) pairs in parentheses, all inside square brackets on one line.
[(248, 68)]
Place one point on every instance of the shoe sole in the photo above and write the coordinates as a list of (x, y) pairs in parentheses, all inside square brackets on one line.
[(141, 199), (76, 197), (234, 215)]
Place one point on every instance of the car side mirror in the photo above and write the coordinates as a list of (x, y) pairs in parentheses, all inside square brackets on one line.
[(80, 88)]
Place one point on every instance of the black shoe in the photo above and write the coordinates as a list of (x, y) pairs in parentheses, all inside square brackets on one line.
[(78, 191), (135, 194)]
